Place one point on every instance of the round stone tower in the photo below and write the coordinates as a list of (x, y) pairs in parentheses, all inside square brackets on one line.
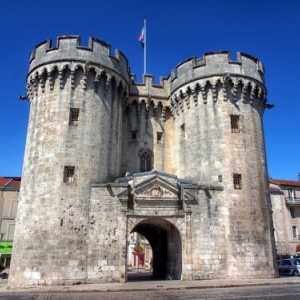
[(217, 106), (67, 85)]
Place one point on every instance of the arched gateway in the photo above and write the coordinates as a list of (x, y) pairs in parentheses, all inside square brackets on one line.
[(165, 241), (156, 205)]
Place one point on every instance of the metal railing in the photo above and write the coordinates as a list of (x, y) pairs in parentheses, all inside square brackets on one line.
[(292, 201)]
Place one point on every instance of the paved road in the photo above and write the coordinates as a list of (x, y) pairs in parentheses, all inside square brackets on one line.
[(268, 292)]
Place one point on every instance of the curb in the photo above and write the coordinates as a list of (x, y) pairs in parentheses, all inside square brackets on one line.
[(156, 287)]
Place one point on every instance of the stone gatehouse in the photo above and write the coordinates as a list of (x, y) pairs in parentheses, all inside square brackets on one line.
[(181, 162)]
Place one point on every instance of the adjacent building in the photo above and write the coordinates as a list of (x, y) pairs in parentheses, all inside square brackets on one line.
[(139, 251), (285, 198), (9, 198)]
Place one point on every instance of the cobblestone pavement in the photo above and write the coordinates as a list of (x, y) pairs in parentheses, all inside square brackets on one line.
[(141, 285), (283, 292)]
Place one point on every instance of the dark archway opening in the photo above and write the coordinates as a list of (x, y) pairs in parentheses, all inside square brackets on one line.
[(165, 241)]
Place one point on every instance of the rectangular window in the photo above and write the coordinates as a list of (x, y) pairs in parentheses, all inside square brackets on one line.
[(295, 232), (291, 193), (74, 115), (237, 181), (235, 123), (133, 135), (159, 137), (69, 173), (145, 160), (292, 211)]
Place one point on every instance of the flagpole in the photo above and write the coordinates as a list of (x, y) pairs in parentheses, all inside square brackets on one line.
[(145, 46)]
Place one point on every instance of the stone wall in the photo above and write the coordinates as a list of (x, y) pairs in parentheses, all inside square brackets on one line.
[(107, 236)]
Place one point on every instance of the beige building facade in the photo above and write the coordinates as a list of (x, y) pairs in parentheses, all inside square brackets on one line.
[(285, 197), (181, 162), (9, 198)]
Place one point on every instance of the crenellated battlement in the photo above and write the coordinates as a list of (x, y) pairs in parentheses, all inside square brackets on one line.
[(149, 88), (69, 49), (148, 80), (217, 64), (149, 93)]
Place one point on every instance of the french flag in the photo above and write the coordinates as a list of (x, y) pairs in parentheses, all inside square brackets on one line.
[(142, 37)]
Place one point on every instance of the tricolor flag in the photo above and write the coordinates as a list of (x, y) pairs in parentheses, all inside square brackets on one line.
[(142, 40), (142, 37)]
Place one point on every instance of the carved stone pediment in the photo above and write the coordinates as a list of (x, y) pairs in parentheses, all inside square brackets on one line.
[(163, 192), (156, 189)]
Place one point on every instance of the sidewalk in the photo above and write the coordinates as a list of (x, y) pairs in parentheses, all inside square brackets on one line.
[(150, 285)]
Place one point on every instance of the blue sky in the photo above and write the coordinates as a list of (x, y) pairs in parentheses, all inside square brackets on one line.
[(176, 30)]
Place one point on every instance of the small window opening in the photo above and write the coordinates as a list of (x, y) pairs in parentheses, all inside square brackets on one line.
[(235, 123), (182, 131), (237, 181), (69, 173), (145, 160), (292, 211), (133, 135), (74, 115), (295, 232), (159, 137)]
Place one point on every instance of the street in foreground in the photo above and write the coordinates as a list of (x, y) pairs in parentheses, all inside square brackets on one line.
[(291, 292)]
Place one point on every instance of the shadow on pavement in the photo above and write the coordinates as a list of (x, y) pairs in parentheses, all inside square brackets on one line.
[(141, 274)]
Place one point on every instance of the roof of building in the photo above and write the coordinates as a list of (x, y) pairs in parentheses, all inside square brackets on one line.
[(273, 189), (286, 182), (10, 182)]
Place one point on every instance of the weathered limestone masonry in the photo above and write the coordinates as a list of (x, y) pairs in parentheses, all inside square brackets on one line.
[(182, 163)]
